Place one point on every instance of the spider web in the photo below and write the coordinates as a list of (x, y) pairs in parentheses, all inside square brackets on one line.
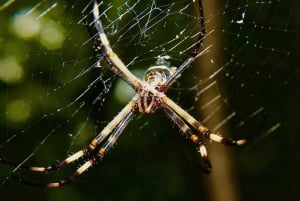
[(56, 96)]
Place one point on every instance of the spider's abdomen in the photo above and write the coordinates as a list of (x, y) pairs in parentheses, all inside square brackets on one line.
[(156, 76), (147, 102)]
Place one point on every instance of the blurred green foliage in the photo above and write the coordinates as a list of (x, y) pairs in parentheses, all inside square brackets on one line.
[(39, 63)]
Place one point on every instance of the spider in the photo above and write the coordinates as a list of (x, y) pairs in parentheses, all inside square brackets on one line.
[(150, 96)]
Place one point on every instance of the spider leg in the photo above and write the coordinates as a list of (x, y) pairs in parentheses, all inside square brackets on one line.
[(195, 52), (98, 157), (112, 59), (117, 131), (202, 30), (87, 150), (189, 134), (167, 102)]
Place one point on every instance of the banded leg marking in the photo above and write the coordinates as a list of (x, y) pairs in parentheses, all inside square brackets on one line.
[(197, 125), (195, 52), (102, 151), (117, 125), (95, 142), (118, 66), (189, 133)]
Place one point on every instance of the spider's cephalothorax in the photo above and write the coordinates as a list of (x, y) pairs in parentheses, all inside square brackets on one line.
[(150, 95), (148, 100)]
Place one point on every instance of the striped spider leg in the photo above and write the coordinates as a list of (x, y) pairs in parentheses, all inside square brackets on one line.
[(150, 96), (111, 58), (113, 129)]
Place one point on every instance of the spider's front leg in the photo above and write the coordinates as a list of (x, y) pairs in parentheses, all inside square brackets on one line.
[(195, 53), (112, 59)]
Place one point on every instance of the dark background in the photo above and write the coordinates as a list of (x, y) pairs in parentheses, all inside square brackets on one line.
[(151, 160)]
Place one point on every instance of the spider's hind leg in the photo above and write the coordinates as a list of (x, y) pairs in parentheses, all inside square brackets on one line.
[(187, 131), (113, 129), (198, 126)]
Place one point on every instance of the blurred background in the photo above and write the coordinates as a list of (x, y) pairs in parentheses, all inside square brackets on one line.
[(56, 95)]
